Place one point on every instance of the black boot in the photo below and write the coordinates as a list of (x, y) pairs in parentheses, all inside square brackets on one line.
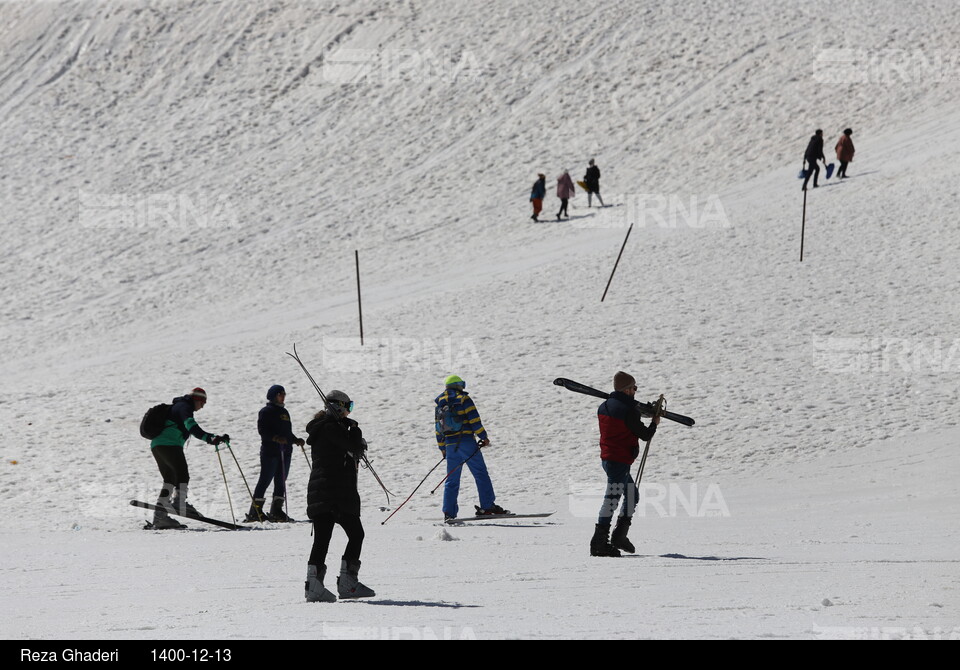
[(600, 543), (276, 510), (256, 513), (619, 537)]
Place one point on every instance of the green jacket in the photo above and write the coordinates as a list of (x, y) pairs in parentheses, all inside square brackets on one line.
[(180, 426)]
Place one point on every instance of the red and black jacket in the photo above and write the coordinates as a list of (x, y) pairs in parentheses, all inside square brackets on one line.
[(621, 429)]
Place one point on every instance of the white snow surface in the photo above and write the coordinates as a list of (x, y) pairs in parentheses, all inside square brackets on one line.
[(185, 185)]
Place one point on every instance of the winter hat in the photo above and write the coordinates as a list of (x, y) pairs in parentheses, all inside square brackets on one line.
[(199, 393), (848, 131), (454, 380), (274, 391), (339, 399), (622, 381)]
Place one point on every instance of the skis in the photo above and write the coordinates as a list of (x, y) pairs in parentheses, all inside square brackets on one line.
[(204, 519), (489, 517), (646, 409)]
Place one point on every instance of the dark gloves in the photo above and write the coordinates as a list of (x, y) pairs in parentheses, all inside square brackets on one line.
[(218, 439)]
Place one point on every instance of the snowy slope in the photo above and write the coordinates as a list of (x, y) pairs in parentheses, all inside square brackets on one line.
[(185, 185)]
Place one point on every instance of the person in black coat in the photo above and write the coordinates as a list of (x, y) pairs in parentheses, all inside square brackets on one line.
[(337, 446), (592, 180), (276, 452), (813, 154)]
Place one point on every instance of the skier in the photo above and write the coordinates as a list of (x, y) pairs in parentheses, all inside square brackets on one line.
[(337, 446), (620, 428), (565, 191), (537, 193), (458, 444), (813, 154), (167, 449), (276, 450), (592, 180), (845, 151)]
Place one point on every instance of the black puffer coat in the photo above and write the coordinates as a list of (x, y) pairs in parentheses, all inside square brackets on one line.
[(336, 447)]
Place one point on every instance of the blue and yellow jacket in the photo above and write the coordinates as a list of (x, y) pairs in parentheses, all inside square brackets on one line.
[(468, 415)]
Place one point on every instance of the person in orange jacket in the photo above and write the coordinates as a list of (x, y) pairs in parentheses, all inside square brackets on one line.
[(845, 152)]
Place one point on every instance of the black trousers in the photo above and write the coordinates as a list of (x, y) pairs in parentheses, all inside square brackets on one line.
[(323, 531), (812, 171), (563, 207), (173, 468), (842, 172)]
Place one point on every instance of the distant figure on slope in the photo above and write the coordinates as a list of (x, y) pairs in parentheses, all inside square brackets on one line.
[(167, 449), (813, 154), (337, 446), (537, 194), (276, 451), (620, 432), (565, 191), (458, 428), (592, 180), (845, 152)]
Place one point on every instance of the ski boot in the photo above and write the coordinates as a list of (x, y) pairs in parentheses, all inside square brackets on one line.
[(347, 584), (600, 543), (314, 590), (256, 513), (618, 538), (276, 510), (493, 509)]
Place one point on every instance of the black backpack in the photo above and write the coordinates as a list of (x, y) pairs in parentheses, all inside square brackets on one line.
[(154, 420)]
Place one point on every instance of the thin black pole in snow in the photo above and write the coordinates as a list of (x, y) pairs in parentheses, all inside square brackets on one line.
[(356, 256), (803, 226), (622, 247)]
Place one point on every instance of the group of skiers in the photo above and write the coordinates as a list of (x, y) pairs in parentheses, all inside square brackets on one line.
[(566, 190), (337, 448), (814, 154)]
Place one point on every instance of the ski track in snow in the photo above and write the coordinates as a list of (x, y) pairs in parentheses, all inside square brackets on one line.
[(825, 392)]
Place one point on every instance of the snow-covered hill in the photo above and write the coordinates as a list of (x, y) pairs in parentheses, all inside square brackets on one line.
[(185, 185)]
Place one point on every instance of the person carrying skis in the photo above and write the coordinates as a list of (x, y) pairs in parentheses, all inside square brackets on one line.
[(167, 450), (592, 180), (565, 191), (458, 429), (813, 154), (620, 432), (276, 451), (845, 152), (337, 446), (537, 194)]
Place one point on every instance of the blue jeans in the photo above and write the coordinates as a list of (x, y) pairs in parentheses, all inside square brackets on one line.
[(619, 484), (467, 454), (275, 466)]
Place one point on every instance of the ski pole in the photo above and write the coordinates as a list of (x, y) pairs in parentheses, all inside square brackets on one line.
[(249, 492), (309, 464), (224, 473), (658, 408), (414, 490), (373, 472)]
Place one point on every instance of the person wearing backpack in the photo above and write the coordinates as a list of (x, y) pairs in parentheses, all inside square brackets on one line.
[(276, 452), (167, 450), (458, 429), (537, 194)]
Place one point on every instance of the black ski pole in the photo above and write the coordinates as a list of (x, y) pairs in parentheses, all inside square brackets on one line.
[(336, 414), (624, 246), (414, 490)]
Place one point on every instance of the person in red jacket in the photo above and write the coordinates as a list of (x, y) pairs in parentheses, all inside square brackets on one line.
[(621, 430)]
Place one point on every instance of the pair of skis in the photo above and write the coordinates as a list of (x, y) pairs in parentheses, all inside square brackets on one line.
[(646, 408)]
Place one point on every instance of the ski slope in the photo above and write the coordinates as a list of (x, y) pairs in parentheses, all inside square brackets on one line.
[(185, 186)]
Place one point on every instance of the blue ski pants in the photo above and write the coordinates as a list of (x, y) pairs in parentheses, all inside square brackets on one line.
[(467, 454), (619, 485)]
